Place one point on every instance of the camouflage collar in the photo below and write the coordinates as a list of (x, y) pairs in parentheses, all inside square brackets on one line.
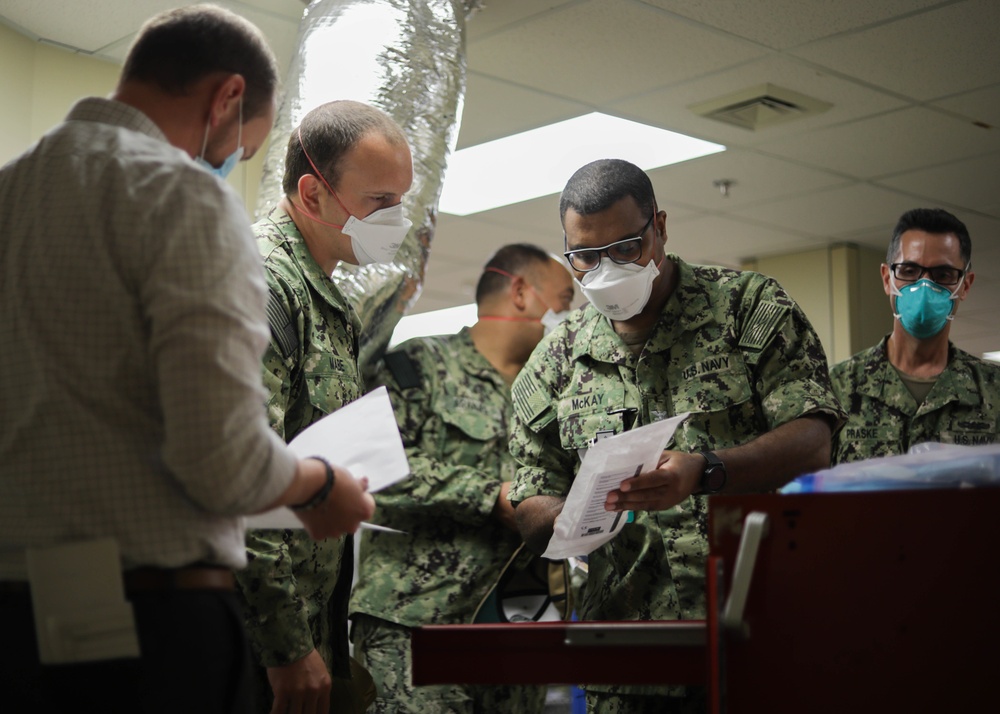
[(286, 235), (957, 383)]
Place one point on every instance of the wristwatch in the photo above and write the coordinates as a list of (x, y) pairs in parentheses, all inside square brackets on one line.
[(713, 478), (324, 491)]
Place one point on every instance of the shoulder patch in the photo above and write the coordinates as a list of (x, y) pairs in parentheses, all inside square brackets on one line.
[(761, 325), (403, 370), (282, 329), (530, 399)]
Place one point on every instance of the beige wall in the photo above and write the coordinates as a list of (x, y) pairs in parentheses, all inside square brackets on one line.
[(38, 85), (839, 289)]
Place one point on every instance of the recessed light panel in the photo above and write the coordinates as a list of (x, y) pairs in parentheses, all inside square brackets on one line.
[(539, 162)]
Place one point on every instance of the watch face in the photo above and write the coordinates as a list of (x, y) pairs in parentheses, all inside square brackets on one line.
[(715, 478)]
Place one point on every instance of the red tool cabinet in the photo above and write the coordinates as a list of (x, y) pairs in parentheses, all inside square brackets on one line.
[(879, 601)]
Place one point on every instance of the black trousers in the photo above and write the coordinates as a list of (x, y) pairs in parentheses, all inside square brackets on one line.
[(195, 658)]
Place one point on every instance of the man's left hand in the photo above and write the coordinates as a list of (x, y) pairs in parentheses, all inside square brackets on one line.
[(676, 477)]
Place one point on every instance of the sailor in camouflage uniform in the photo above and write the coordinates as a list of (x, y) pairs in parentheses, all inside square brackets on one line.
[(662, 337), (451, 394), (295, 590), (915, 386)]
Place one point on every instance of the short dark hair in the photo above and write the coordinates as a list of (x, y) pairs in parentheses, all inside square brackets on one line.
[(930, 220), (513, 259), (601, 184), (328, 132), (178, 48)]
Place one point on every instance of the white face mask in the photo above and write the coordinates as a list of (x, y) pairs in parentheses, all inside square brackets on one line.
[(551, 319), (376, 239), (619, 292)]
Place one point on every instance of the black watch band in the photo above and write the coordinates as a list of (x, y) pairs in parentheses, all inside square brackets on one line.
[(713, 477), (324, 491)]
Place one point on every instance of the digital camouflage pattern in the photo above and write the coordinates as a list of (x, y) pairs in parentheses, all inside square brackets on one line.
[(730, 347), (310, 369), (883, 419), (454, 417)]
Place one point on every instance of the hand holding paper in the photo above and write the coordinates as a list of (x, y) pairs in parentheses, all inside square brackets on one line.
[(584, 524), (361, 438)]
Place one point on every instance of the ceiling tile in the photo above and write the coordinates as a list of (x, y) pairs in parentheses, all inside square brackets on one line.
[(835, 214), (933, 54), (718, 240), (487, 113), (668, 107), (104, 22), (971, 184), (884, 145), (757, 179), (800, 21), (982, 105), (600, 50), (498, 15), (474, 240)]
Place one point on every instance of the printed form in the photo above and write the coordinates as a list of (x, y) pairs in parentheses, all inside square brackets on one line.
[(584, 525)]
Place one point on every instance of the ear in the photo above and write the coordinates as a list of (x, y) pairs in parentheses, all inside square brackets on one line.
[(309, 190), (886, 274), (661, 225), (518, 292), (226, 98), (967, 281)]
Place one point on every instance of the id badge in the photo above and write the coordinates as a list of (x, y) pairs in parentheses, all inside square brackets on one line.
[(78, 598)]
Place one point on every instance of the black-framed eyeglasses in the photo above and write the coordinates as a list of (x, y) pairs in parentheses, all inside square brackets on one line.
[(940, 274), (622, 252)]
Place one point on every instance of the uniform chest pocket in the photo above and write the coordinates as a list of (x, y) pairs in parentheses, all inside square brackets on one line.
[(584, 414), (968, 432), (332, 384), (472, 417), (713, 385)]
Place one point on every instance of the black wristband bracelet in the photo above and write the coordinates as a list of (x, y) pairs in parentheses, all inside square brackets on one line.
[(324, 491)]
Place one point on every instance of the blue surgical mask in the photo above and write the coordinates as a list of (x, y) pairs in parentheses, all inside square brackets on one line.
[(924, 307), (230, 162)]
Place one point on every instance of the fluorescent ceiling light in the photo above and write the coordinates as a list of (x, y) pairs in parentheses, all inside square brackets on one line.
[(992, 356), (438, 322), (539, 162)]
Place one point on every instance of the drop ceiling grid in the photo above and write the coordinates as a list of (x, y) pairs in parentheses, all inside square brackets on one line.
[(668, 107), (971, 184), (933, 54), (801, 22), (833, 214), (887, 144), (757, 179), (602, 50), (495, 108)]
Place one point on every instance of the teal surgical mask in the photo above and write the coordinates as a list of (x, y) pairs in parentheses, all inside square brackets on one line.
[(924, 307), (234, 158)]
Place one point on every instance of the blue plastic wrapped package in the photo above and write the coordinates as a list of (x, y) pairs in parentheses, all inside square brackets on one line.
[(928, 465)]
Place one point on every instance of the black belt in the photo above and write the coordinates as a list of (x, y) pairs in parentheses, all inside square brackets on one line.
[(195, 577)]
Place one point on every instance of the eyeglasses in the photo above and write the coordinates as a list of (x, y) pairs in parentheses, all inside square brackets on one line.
[(940, 274), (622, 252)]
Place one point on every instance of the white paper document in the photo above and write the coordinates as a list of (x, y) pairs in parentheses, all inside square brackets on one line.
[(361, 437), (583, 524)]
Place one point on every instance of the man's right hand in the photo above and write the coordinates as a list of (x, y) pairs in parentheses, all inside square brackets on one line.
[(343, 510), (302, 687)]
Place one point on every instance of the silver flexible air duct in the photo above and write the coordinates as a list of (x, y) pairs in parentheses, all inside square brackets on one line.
[(406, 57)]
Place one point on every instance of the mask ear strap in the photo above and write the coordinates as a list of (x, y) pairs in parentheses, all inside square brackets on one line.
[(319, 174)]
